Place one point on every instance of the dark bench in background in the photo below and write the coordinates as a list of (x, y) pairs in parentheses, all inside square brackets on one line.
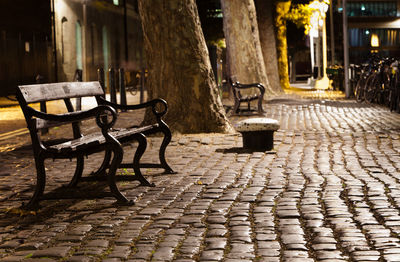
[(239, 97), (105, 139)]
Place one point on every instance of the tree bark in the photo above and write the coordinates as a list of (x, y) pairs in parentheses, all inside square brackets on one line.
[(179, 67), (282, 7), (245, 59), (265, 18)]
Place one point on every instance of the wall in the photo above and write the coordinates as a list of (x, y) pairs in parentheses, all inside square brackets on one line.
[(100, 27), (89, 35), (25, 43)]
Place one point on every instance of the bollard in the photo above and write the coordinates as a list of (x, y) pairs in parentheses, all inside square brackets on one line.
[(122, 90), (113, 95)]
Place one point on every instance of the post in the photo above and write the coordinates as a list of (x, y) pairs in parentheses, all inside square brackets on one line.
[(312, 55), (318, 55), (142, 83), (113, 95), (324, 49), (122, 90), (78, 78), (125, 31), (332, 34), (43, 107), (84, 42), (53, 35), (346, 52), (100, 78), (323, 80)]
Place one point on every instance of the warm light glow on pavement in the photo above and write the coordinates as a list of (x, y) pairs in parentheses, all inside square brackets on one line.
[(316, 94)]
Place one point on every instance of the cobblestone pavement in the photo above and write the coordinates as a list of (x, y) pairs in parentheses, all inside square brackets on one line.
[(330, 191)]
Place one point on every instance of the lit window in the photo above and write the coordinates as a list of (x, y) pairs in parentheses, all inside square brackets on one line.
[(116, 2), (374, 40), (27, 47)]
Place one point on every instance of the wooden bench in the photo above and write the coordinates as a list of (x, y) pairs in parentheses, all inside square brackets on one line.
[(240, 98), (258, 133), (105, 138)]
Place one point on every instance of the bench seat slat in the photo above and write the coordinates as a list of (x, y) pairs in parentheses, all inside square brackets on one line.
[(96, 138)]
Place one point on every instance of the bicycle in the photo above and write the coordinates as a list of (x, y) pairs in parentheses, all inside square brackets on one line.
[(132, 89), (394, 92), (133, 85), (361, 82), (378, 83)]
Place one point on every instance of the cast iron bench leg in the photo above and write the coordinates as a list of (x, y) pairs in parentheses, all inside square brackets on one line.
[(78, 171), (163, 147), (136, 160), (40, 184), (106, 163), (260, 108), (236, 107), (118, 153)]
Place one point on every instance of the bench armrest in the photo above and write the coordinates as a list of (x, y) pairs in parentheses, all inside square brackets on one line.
[(152, 103), (238, 85), (98, 112)]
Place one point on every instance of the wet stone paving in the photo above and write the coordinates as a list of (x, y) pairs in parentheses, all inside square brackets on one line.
[(329, 191)]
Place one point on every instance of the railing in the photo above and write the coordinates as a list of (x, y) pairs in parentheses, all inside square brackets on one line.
[(117, 81)]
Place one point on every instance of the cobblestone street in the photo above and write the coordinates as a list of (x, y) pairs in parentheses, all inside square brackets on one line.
[(329, 191)]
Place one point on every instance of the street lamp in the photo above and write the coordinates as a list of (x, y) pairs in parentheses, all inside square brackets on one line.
[(317, 22)]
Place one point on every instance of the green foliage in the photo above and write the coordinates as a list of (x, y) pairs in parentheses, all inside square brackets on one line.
[(127, 173), (300, 15), (218, 42), (282, 9)]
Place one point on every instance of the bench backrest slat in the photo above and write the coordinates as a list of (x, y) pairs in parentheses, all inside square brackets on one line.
[(55, 91)]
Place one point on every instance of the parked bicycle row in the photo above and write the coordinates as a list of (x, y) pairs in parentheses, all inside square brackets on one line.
[(377, 81)]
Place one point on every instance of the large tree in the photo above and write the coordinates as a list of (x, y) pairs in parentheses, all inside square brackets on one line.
[(282, 8), (179, 67), (266, 26), (244, 55)]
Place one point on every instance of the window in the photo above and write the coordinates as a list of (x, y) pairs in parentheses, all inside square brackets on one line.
[(359, 37), (364, 8), (27, 47)]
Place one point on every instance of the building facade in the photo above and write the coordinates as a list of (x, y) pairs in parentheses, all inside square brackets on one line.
[(55, 38), (373, 27), (25, 47)]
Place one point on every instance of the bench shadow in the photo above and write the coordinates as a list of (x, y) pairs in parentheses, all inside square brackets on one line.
[(60, 199), (241, 150)]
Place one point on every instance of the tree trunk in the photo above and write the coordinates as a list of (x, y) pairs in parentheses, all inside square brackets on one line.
[(281, 9), (179, 67), (265, 10), (245, 59)]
